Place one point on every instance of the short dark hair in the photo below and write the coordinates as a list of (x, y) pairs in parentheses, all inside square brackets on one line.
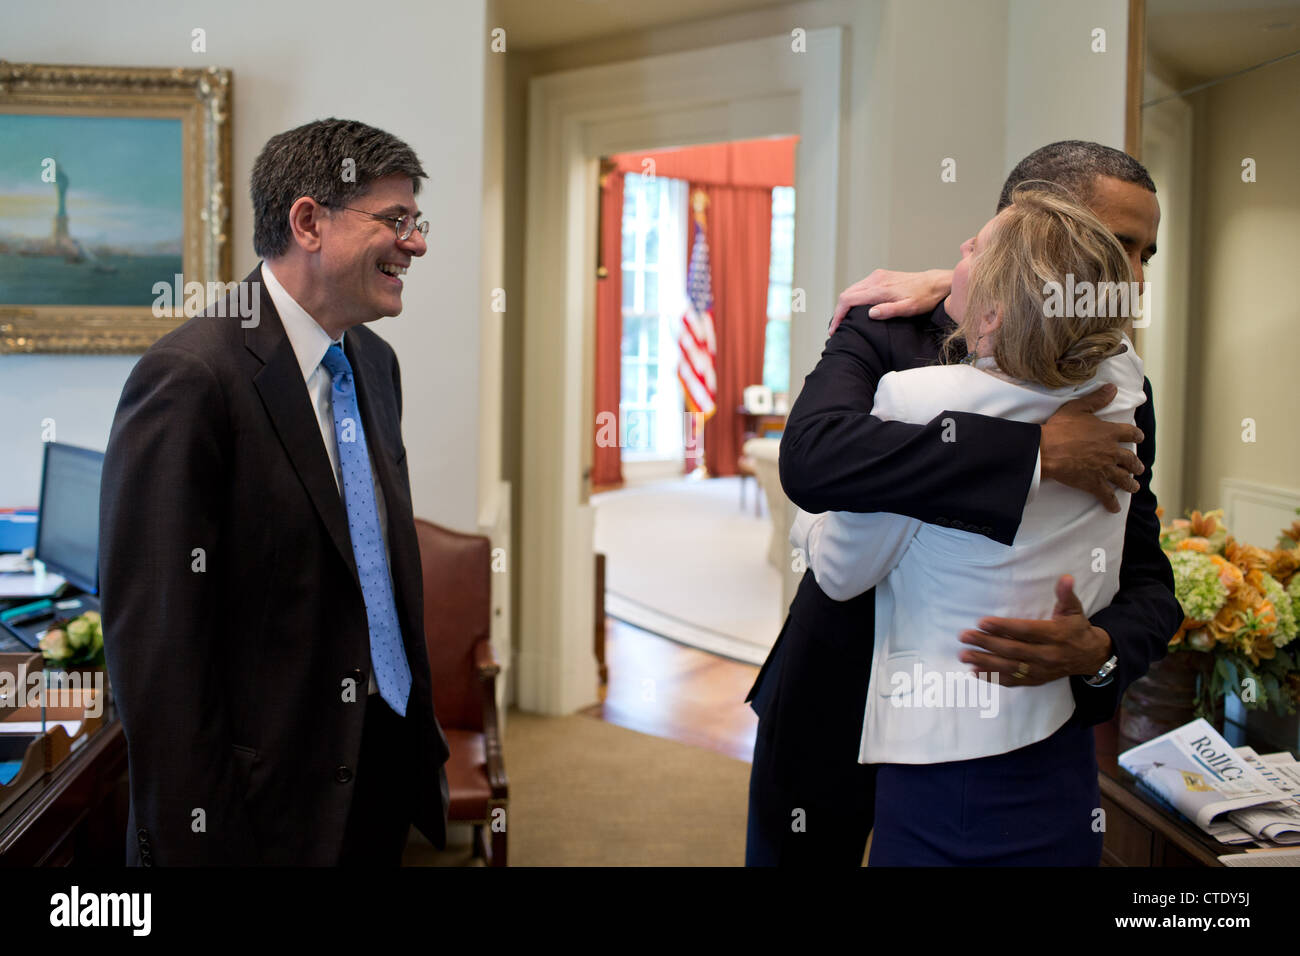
[(1075, 165), (312, 160)]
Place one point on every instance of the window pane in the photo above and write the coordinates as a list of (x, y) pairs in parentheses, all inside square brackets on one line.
[(776, 356), (652, 246), (627, 387), (629, 290), (651, 280), (783, 201), (778, 300), (776, 348), (631, 335)]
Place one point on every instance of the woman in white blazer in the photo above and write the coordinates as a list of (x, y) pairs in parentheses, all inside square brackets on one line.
[(973, 771)]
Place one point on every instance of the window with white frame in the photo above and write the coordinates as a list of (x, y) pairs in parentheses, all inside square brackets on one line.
[(780, 279), (654, 298)]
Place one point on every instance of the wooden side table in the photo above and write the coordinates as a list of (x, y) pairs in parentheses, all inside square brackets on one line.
[(76, 814)]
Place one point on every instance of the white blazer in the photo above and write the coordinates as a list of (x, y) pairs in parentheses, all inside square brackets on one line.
[(923, 704)]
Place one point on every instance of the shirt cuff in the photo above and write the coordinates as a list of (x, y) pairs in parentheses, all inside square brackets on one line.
[(800, 530), (1038, 473)]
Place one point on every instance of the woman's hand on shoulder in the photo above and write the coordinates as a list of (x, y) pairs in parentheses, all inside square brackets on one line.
[(892, 294)]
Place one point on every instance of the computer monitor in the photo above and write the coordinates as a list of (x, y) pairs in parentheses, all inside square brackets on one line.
[(67, 531)]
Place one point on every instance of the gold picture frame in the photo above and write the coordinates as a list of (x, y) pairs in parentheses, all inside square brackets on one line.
[(198, 100)]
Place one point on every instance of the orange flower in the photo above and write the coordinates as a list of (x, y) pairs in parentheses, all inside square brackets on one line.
[(1229, 573), (1230, 619), (1194, 544), (1204, 525), (1267, 615), (1292, 532), (1246, 556), (1283, 563), (1184, 629), (1260, 647)]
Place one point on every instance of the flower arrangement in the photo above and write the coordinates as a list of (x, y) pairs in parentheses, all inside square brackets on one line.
[(1240, 604), (78, 642)]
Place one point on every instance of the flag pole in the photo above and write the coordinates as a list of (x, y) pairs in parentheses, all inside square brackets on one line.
[(696, 416)]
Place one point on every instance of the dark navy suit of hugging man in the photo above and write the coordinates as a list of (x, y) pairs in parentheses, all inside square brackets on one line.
[(810, 801)]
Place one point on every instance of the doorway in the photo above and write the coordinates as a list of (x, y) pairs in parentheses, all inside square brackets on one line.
[(693, 296), (750, 90)]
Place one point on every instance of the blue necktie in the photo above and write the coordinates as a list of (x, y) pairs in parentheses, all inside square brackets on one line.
[(386, 652)]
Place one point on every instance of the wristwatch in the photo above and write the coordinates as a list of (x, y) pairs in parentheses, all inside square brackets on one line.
[(1102, 676)]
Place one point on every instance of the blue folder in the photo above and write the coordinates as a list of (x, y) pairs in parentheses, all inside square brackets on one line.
[(17, 529)]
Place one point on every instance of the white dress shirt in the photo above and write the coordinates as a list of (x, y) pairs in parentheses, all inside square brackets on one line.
[(932, 582), (310, 343)]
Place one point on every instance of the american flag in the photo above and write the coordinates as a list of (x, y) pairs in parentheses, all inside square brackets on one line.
[(699, 351)]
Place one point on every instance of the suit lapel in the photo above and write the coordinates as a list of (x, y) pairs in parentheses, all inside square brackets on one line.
[(284, 395)]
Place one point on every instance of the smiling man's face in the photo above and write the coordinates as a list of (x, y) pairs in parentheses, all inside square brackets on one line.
[(356, 250)]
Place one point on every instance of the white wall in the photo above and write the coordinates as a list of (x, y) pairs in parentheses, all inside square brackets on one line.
[(416, 71), (1245, 321), (1057, 87)]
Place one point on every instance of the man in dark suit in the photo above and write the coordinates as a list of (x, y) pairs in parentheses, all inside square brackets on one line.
[(261, 577), (811, 802)]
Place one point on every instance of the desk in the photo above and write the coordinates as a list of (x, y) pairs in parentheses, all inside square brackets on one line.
[(76, 814)]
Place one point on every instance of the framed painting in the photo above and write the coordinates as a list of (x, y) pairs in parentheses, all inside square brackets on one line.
[(114, 182)]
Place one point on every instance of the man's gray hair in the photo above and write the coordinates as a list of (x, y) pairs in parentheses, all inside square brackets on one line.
[(331, 160), (1075, 165)]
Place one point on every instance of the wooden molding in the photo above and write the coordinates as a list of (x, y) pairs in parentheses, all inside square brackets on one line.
[(1137, 48)]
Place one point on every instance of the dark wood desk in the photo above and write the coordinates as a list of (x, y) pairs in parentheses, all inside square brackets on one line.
[(76, 814)]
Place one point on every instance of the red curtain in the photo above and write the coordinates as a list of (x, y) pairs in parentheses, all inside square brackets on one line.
[(762, 163), (739, 226), (606, 462)]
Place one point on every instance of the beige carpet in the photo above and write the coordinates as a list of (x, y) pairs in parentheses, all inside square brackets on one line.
[(587, 793), (683, 560)]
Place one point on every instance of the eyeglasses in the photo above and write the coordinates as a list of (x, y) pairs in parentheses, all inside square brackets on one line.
[(405, 225)]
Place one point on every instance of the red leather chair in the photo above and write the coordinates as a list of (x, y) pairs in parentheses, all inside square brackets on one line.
[(457, 614)]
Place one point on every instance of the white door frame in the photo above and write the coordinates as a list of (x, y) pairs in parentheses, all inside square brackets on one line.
[(743, 90), (1167, 150)]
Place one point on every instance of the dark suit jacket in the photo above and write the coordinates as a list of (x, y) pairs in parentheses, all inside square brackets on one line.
[(836, 456), (230, 674)]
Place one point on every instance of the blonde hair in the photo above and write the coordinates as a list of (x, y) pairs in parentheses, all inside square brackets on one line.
[(1041, 238)]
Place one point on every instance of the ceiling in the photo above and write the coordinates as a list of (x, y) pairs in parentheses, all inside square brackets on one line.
[(1199, 40), (532, 24)]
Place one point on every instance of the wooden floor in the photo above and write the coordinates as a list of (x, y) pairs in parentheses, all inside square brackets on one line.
[(659, 687)]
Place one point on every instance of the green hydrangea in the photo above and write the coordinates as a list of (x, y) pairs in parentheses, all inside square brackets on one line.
[(1282, 603), (1197, 585), (1293, 589)]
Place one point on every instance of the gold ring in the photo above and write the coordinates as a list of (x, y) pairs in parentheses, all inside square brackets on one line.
[(1022, 671)]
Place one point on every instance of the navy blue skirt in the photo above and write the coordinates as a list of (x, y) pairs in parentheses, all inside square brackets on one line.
[(1036, 806)]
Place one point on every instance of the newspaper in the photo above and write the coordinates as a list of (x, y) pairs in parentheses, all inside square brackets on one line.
[(1277, 822), (1234, 795)]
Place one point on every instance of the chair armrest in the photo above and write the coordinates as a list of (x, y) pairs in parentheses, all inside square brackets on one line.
[(485, 662), (486, 667)]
